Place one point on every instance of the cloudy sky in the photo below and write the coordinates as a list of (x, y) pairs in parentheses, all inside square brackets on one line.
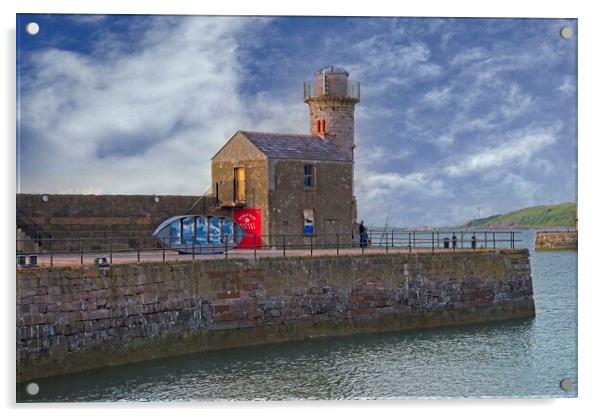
[(458, 117)]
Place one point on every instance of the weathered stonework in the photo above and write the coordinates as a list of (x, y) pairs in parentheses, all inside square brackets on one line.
[(70, 319), (556, 240), (239, 152), (331, 201), (95, 217)]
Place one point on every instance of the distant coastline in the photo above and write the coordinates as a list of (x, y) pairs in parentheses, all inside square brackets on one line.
[(552, 216)]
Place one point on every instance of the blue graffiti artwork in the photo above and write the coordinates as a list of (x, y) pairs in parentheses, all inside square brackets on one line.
[(201, 230), (215, 230)]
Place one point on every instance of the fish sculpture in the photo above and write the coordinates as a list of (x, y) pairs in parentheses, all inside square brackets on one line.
[(199, 234)]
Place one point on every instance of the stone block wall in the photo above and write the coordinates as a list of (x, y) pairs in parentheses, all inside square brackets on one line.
[(76, 318), (566, 240), (331, 201), (69, 217)]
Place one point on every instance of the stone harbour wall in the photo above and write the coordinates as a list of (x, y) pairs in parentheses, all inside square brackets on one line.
[(566, 240), (69, 218), (76, 318)]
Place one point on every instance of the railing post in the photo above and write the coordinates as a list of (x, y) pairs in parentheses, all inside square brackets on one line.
[(410, 241), (462, 239), (283, 245), (438, 244), (51, 257), (337, 243), (255, 247), (163, 238), (111, 250), (386, 245), (493, 240), (311, 245), (392, 238), (414, 238), (485, 240), (193, 239), (138, 248), (433, 241), (81, 251)]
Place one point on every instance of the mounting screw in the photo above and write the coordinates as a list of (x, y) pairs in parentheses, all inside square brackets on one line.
[(32, 28), (32, 388), (566, 32), (566, 384)]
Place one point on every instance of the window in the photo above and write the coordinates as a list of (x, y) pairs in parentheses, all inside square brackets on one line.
[(309, 176), (308, 222), (239, 185), (321, 126)]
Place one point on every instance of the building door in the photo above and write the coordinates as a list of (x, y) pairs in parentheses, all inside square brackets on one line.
[(239, 185)]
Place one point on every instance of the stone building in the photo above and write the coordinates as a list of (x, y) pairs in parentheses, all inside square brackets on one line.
[(297, 185)]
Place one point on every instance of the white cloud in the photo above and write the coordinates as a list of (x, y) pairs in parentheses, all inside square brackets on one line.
[(437, 97), (568, 86), (469, 56), (516, 148), (146, 121)]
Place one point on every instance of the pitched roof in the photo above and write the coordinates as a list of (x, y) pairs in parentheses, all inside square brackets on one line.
[(291, 146)]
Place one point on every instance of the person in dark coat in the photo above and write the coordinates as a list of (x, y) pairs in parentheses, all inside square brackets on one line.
[(363, 235), (473, 241), (454, 240)]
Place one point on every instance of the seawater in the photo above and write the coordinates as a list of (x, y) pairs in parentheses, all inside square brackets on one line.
[(518, 358)]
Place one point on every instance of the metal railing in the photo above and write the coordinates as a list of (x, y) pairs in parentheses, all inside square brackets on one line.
[(32, 229), (138, 249), (352, 91)]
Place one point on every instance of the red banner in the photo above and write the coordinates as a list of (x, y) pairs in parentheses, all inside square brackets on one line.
[(250, 221)]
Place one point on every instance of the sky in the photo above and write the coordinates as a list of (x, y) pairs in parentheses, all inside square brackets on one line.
[(458, 118)]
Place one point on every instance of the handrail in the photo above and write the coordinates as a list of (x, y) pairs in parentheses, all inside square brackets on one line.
[(31, 228), (344, 243)]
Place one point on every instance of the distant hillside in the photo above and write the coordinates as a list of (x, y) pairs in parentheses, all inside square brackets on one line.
[(557, 215)]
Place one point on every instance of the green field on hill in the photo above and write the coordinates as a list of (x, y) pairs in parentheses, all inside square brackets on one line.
[(557, 215)]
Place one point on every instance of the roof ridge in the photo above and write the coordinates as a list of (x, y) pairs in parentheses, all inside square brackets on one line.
[(279, 134)]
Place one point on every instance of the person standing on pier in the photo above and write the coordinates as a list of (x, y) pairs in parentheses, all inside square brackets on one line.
[(454, 240), (363, 235)]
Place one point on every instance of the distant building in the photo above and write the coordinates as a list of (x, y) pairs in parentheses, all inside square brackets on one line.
[(291, 184)]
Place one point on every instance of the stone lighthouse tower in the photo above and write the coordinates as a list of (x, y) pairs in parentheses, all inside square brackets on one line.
[(332, 98)]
